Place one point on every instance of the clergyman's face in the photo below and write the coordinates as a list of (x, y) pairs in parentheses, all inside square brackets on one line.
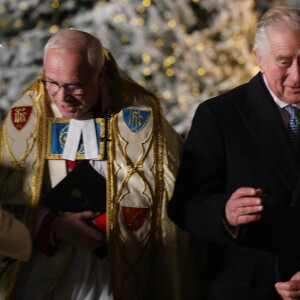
[(72, 71), (282, 64)]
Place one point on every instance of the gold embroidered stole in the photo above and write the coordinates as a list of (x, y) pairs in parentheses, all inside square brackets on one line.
[(23, 136)]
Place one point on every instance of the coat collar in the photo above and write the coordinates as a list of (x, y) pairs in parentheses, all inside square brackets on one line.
[(263, 118)]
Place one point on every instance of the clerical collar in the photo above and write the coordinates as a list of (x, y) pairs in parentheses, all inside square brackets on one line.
[(86, 129)]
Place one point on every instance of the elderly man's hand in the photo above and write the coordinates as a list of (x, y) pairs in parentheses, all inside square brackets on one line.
[(289, 290), (244, 206), (78, 231)]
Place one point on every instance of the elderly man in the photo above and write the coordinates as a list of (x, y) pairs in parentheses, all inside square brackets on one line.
[(83, 107), (238, 184)]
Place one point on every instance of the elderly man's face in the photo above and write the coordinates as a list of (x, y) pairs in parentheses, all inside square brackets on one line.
[(78, 89), (282, 65)]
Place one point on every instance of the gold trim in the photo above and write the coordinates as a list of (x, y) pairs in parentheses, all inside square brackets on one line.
[(110, 183), (159, 178), (17, 268), (2, 132), (8, 145), (129, 163)]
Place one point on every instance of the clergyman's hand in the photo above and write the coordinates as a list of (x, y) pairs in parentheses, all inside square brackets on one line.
[(78, 231), (244, 206), (289, 290)]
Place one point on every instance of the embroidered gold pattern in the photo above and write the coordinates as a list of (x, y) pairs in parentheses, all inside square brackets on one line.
[(20, 115)]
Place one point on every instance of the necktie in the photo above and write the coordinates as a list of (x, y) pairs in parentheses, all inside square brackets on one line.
[(294, 127)]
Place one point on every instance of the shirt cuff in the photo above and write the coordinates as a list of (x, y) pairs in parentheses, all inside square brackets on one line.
[(233, 231)]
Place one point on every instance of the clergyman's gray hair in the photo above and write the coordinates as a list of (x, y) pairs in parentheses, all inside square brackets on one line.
[(278, 18), (71, 40)]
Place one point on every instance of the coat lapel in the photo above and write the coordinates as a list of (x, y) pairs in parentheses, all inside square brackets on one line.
[(264, 121)]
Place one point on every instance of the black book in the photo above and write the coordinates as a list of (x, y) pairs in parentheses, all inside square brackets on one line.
[(83, 189)]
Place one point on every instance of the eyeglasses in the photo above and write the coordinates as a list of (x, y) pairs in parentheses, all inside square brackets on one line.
[(70, 88)]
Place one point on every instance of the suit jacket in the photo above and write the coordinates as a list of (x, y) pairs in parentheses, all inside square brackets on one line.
[(238, 139)]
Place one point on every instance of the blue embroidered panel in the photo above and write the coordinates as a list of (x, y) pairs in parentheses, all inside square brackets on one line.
[(135, 119), (59, 137)]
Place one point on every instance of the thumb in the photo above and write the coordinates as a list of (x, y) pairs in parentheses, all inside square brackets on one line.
[(89, 214)]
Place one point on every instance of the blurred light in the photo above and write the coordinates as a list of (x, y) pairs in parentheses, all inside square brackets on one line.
[(141, 22), (2, 22), (189, 41), (155, 67), (196, 1), (147, 71), (166, 95), (55, 4), (216, 69), (154, 28), (1, 46), (201, 71), (174, 46), (142, 82), (195, 91), (181, 99), (159, 42), (253, 18), (169, 72), (18, 23), (169, 61), (184, 107), (172, 59), (146, 3), (146, 58), (137, 21), (200, 47), (238, 45), (53, 29), (119, 18), (140, 9), (124, 38), (172, 23), (241, 60), (237, 36), (245, 27)]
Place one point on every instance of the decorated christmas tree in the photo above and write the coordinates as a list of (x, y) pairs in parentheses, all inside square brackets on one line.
[(184, 52)]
